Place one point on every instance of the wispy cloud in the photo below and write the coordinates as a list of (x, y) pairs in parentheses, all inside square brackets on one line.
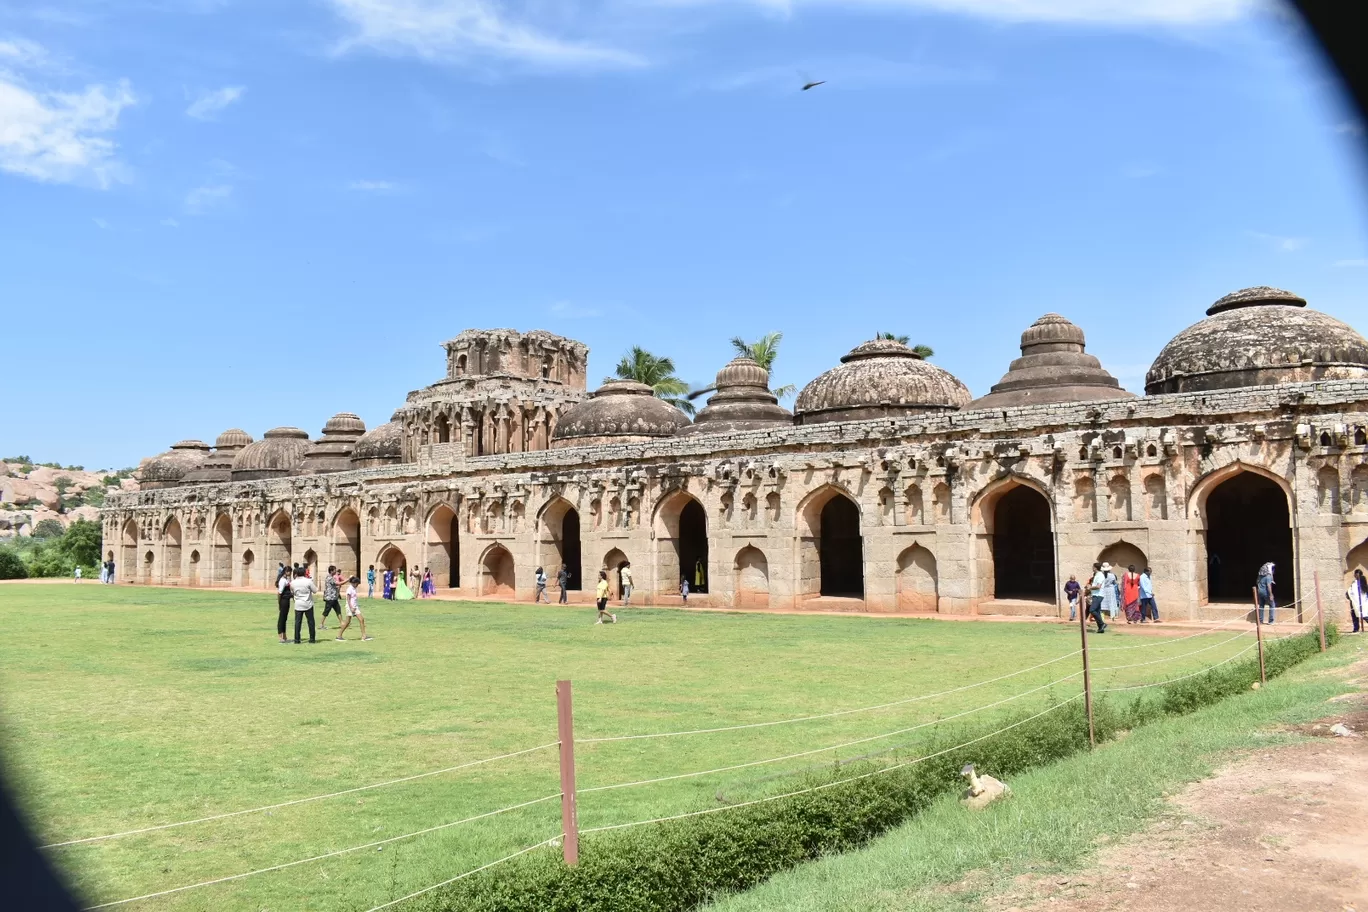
[(61, 137), (170, 223), (1280, 242), (100, 223), (373, 186), (569, 311), (1351, 264), (458, 31), (209, 104), (210, 196), (21, 52), (1096, 12)]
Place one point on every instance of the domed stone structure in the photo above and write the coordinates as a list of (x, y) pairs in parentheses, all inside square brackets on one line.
[(1053, 367), (278, 453), (380, 446), (170, 468), (879, 379), (742, 401), (620, 411), (1258, 336), (332, 452), (218, 465)]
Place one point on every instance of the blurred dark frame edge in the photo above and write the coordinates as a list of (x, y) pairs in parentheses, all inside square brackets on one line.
[(27, 881)]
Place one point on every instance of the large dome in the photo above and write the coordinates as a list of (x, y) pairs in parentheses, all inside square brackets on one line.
[(742, 401), (171, 468), (1258, 337), (332, 453), (218, 465), (1053, 367), (620, 411), (878, 379), (279, 452), (383, 445)]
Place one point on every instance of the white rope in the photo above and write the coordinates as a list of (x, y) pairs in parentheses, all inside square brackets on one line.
[(818, 788), (1181, 655), (1166, 641), (1180, 678), (830, 715), (395, 902), (272, 807), (291, 864), (819, 750)]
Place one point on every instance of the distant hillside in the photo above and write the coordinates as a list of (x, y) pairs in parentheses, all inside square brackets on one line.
[(31, 492)]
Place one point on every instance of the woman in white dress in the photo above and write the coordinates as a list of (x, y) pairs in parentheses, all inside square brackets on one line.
[(1358, 601)]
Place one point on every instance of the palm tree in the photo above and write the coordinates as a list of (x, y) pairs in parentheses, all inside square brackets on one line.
[(763, 352), (925, 351), (657, 373)]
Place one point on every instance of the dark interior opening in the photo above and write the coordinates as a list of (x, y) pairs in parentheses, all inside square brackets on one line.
[(1023, 546), (1247, 526), (570, 549), (842, 549), (455, 549), (693, 546)]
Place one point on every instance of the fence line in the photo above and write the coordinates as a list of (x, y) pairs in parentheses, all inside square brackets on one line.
[(272, 807), (291, 864), (1181, 655), (395, 902), (830, 715), (1165, 641), (818, 788), (819, 750), (1181, 677)]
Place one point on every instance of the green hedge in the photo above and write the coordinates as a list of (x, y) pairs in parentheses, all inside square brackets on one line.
[(679, 865)]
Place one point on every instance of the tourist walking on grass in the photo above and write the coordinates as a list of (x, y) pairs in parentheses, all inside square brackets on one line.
[(625, 576), (1111, 593), (110, 565), (370, 582), (1264, 586), (332, 595), (284, 594), (78, 574), (1096, 596), (302, 588), (1130, 595), (1148, 607), (1071, 592), (540, 578), (104, 572), (601, 598), (353, 611), (563, 580), (1358, 601)]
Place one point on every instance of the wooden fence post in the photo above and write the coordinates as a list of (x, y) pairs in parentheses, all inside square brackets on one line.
[(1087, 672), (1320, 617), (569, 815)]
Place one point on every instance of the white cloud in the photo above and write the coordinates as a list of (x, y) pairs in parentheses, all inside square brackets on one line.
[(459, 30), (210, 196), (21, 52), (1280, 242), (573, 311), (208, 104), (61, 137), (1351, 263), (372, 186), (1101, 12)]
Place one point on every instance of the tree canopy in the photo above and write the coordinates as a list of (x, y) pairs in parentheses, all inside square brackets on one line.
[(656, 372), (764, 352), (925, 351)]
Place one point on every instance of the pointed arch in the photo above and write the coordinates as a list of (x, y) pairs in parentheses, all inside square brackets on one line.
[(918, 582), (221, 568), (498, 577), (171, 552), (831, 543), (391, 558), (613, 562), (279, 538), (1013, 519), (1242, 517), (752, 586), (444, 545), (558, 538), (129, 556), (346, 536), (681, 527)]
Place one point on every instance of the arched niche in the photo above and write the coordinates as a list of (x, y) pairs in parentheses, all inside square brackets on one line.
[(497, 573), (831, 545), (444, 545), (918, 581), (171, 560), (347, 542), (752, 578), (559, 534), (681, 526), (222, 558)]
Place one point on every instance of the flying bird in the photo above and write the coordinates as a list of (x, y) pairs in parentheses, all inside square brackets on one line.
[(813, 85)]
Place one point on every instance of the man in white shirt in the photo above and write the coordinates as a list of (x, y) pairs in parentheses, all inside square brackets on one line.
[(625, 575), (302, 588), (1096, 591)]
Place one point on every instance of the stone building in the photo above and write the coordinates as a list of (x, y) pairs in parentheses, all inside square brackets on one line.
[(887, 488)]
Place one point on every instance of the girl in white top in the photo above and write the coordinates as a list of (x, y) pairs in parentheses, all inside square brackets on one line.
[(353, 610), (1358, 601)]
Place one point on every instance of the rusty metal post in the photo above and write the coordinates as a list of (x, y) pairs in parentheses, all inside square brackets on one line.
[(1087, 671), (1320, 617), (1258, 632), (569, 815)]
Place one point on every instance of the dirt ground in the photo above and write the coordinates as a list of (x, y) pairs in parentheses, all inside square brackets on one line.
[(1283, 830)]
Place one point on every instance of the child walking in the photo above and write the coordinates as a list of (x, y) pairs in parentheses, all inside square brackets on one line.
[(353, 611)]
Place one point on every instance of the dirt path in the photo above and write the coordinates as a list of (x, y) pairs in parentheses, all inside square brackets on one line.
[(1284, 830)]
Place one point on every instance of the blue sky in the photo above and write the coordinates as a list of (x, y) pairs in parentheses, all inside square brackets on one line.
[(252, 213)]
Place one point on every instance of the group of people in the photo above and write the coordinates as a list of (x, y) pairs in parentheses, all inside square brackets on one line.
[(295, 588), (1131, 594), (394, 584), (106, 572), (601, 590)]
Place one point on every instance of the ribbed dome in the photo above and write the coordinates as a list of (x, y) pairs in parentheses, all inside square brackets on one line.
[(233, 437), (742, 401), (218, 465), (170, 468), (280, 452), (333, 452), (881, 378), (1052, 368), (1258, 337), (383, 445), (620, 411)]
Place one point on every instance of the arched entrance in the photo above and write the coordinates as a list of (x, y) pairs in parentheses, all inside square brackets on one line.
[(681, 543), (391, 558), (149, 559), (444, 546), (248, 558), (347, 543), (279, 539), (613, 562), (560, 540), (171, 560), (194, 568), (1023, 546), (1247, 525), (311, 564), (918, 584), (1123, 555), (841, 549), (1356, 559), (497, 577), (130, 551), (222, 570), (752, 578)]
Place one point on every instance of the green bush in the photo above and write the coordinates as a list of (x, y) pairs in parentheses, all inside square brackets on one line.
[(678, 865), (11, 565), (48, 528)]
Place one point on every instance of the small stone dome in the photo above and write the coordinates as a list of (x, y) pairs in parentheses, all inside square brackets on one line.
[(1053, 367), (619, 411), (233, 437), (170, 468), (278, 453), (1258, 337), (332, 453), (742, 401), (218, 465), (881, 378), (383, 445)]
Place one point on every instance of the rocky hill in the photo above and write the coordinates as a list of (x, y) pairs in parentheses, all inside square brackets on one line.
[(31, 493)]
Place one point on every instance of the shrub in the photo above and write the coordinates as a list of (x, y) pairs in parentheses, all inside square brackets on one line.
[(11, 565), (48, 528)]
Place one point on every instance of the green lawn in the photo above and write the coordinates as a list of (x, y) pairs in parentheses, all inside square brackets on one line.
[(126, 707)]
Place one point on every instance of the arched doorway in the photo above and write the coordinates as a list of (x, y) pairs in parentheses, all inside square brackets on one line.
[(613, 562), (311, 564), (171, 561), (347, 543), (560, 540), (681, 543), (279, 539), (918, 583), (194, 568), (444, 546), (1356, 559), (497, 576), (222, 571), (149, 559), (752, 578), (248, 558), (842, 549), (1247, 525), (1023, 546), (1123, 555), (130, 551), (391, 558)]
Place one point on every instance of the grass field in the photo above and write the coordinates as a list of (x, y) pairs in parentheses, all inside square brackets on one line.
[(125, 707)]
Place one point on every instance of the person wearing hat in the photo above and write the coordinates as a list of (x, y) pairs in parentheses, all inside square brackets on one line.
[(1096, 588)]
